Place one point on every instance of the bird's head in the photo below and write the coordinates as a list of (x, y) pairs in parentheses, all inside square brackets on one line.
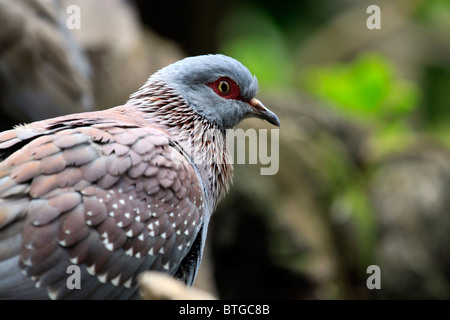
[(218, 88)]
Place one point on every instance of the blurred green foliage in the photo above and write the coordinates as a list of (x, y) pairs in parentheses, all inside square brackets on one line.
[(435, 13), (366, 89), (370, 92)]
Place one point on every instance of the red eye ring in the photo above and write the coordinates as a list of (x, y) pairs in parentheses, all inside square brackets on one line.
[(226, 88)]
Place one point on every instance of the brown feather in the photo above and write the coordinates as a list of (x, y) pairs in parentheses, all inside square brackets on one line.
[(43, 184), (26, 171), (70, 140), (52, 164), (41, 213)]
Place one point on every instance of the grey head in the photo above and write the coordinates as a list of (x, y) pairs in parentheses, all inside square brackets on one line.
[(217, 87)]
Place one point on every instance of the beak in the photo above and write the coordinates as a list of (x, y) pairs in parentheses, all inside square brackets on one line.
[(260, 111)]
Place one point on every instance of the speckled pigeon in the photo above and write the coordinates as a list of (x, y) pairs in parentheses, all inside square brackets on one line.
[(124, 190)]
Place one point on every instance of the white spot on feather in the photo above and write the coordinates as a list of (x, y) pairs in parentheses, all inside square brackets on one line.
[(102, 278), (116, 280), (53, 294), (91, 269), (127, 284), (27, 262)]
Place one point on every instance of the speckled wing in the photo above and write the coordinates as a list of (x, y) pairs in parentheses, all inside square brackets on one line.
[(114, 199)]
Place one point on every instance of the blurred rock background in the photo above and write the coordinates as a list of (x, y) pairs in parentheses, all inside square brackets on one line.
[(364, 161)]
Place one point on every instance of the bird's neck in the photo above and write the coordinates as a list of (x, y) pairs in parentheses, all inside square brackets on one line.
[(204, 142)]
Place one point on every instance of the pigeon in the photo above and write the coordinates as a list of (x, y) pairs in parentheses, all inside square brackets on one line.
[(88, 201)]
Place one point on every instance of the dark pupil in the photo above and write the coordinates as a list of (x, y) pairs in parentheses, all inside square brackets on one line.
[(224, 87)]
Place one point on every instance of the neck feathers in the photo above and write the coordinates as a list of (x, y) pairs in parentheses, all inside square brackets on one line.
[(203, 142)]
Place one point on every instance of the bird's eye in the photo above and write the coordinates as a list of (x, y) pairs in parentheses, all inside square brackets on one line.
[(224, 87)]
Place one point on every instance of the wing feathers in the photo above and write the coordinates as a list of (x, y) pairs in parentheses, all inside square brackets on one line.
[(114, 200)]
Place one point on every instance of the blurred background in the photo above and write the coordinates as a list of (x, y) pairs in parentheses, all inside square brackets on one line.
[(364, 174)]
